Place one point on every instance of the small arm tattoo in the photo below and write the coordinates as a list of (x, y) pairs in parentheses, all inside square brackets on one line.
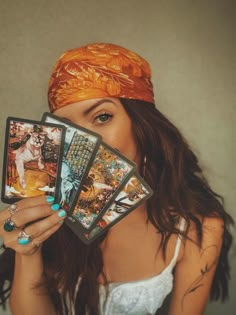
[(199, 282)]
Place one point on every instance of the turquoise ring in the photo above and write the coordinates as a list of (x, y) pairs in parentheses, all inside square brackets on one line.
[(9, 225), (24, 238)]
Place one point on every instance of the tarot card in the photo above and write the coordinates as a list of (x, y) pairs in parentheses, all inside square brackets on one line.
[(109, 172), (32, 159), (133, 194), (79, 150)]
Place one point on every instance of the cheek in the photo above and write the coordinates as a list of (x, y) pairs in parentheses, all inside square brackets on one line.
[(123, 140)]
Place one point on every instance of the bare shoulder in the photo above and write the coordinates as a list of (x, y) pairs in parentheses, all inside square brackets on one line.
[(208, 248), (196, 267), (212, 229), (212, 226)]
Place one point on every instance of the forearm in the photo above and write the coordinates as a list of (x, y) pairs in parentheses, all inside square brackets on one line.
[(26, 298)]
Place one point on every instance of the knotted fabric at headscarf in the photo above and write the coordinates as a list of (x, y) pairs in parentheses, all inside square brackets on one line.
[(97, 71)]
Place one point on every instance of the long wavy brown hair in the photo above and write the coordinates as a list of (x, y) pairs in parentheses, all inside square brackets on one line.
[(180, 190)]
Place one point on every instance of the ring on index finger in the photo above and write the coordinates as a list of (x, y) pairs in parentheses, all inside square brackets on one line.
[(9, 225), (13, 208)]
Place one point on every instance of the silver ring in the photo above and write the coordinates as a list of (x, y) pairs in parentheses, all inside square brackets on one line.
[(36, 244), (9, 225), (24, 238), (12, 208)]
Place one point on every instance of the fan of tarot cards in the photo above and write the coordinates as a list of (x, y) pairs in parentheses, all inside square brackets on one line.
[(92, 181)]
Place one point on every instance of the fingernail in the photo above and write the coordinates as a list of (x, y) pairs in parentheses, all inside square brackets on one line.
[(50, 199), (55, 207), (61, 213)]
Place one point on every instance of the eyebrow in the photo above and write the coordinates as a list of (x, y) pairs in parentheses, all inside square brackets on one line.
[(99, 102)]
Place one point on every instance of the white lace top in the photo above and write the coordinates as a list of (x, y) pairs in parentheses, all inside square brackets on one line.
[(137, 297), (142, 297)]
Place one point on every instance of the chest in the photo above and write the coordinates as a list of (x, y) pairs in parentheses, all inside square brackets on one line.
[(133, 254)]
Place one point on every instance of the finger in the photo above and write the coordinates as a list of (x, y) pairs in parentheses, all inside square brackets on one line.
[(35, 245), (38, 241), (26, 203), (30, 214), (40, 227), (39, 200)]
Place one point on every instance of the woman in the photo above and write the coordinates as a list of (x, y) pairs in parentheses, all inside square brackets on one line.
[(177, 242)]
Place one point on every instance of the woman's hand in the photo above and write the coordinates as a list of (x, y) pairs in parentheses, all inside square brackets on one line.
[(32, 222), (24, 228)]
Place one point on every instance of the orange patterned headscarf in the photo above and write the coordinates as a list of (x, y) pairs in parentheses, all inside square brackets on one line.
[(97, 71)]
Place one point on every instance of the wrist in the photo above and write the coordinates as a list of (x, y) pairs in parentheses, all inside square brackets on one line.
[(29, 267)]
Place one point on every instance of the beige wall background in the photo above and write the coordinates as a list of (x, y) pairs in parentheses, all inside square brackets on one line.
[(190, 46)]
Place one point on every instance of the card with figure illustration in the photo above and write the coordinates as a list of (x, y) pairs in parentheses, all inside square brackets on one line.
[(32, 159), (79, 151), (108, 174), (135, 192)]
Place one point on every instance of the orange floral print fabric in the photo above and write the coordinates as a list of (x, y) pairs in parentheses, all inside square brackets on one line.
[(97, 71)]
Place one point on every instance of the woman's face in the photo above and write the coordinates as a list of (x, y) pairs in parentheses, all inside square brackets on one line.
[(107, 117)]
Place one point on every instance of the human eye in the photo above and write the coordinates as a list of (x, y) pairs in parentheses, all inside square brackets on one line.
[(102, 118)]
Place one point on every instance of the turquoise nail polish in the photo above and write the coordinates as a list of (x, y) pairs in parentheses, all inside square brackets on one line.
[(55, 207), (50, 199), (61, 213)]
